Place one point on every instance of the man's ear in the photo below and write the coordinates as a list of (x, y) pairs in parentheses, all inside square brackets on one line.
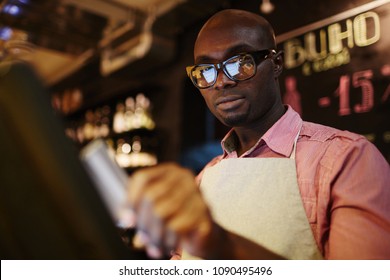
[(278, 63)]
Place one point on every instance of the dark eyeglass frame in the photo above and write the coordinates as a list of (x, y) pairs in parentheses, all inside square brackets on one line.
[(257, 56)]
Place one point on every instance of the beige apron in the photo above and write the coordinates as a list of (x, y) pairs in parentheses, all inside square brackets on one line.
[(258, 198)]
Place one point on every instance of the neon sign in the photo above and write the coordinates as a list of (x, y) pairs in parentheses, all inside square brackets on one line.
[(329, 47)]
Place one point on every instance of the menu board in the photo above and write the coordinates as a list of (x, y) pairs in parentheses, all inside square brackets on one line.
[(337, 71)]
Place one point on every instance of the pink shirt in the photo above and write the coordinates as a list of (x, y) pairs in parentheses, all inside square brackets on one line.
[(344, 183)]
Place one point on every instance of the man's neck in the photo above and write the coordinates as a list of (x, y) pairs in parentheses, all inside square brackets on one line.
[(248, 136)]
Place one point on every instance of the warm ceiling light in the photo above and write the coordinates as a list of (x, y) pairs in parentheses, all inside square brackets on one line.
[(266, 7)]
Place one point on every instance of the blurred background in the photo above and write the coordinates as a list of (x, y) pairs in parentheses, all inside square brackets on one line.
[(115, 69)]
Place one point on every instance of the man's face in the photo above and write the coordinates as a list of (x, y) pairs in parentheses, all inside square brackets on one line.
[(242, 103)]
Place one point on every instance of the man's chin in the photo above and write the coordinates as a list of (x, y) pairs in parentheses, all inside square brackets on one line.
[(233, 120)]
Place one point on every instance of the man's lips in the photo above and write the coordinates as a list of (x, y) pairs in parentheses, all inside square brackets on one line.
[(229, 102)]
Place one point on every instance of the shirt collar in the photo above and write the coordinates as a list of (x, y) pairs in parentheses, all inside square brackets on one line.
[(279, 138)]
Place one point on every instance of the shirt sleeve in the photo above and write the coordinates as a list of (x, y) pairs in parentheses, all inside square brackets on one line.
[(359, 214)]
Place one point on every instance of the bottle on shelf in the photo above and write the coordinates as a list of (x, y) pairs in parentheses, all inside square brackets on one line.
[(105, 121), (119, 124), (127, 126), (133, 152), (88, 129)]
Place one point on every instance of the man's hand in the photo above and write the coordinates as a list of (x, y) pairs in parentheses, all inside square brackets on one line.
[(170, 210)]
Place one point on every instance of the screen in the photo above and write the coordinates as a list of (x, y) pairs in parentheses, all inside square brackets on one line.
[(49, 208)]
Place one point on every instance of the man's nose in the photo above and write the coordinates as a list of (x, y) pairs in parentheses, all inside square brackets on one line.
[(223, 80)]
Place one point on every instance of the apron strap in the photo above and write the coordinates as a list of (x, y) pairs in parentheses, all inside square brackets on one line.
[(292, 156)]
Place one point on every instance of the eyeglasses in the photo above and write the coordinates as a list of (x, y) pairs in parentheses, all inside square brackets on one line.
[(240, 67)]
